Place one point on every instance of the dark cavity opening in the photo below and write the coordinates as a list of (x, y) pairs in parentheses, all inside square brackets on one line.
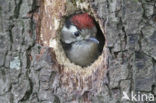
[(99, 37)]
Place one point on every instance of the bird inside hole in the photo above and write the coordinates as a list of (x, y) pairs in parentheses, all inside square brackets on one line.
[(78, 37)]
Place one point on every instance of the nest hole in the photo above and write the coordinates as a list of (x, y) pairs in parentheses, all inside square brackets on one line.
[(50, 34), (68, 64), (82, 79)]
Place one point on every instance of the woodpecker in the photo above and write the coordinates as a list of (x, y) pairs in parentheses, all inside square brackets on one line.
[(78, 37)]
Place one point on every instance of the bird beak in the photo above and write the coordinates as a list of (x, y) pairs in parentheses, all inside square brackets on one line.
[(94, 40)]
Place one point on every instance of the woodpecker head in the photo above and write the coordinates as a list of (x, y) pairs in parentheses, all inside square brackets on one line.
[(79, 27)]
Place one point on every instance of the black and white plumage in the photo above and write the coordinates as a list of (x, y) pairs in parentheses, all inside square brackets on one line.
[(79, 41)]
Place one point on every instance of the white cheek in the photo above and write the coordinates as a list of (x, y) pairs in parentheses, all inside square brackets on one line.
[(71, 29), (65, 29)]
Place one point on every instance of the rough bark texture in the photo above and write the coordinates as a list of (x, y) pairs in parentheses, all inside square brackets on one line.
[(25, 77)]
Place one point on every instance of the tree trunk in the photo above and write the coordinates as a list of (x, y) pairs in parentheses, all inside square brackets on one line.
[(34, 69)]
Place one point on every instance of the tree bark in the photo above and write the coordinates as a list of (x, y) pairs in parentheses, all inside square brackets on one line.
[(30, 71)]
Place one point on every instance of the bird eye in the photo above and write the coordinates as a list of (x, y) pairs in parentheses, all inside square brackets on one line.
[(77, 34)]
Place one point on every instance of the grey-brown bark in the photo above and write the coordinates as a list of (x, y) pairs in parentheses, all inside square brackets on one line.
[(27, 77)]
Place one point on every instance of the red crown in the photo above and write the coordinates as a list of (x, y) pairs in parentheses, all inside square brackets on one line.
[(83, 21)]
